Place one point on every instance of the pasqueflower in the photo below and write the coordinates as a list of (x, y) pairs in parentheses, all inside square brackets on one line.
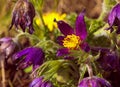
[(23, 14), (73, 38), (94, 82), (30, 56), (108, 59), (114, 18)]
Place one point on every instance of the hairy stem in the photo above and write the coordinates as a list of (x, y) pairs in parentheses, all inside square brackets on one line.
[(90, 71), (89, 67)]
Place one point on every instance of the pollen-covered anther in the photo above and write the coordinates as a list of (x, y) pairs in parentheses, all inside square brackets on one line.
[(71, 41)]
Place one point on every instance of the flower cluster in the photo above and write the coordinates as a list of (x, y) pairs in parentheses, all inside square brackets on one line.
[(71, 59), (73, 38)]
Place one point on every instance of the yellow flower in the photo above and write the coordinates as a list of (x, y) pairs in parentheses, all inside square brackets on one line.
[(49, 19)]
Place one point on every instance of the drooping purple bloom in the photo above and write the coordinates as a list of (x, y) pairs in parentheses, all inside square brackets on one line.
[(7, 46), (23, 15), (94, 82), (114, 18), (30, 56), (39, 82), (73, 38), (108, 59)]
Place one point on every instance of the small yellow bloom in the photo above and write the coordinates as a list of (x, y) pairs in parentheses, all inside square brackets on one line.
[(49, 19), (71, 41)]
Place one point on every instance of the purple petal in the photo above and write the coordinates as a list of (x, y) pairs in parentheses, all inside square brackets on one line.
[(81, 26), (21, 53), (85, 47), (31, 29), (5, 39), (111, 17), (113, 14), (46, 84), (35, 56), (65, 28), (118, 11), (36, 82), (62, 52), (60, 40), (38, 56)]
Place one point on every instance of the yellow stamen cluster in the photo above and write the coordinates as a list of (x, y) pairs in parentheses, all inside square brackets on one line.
[(71, 41)]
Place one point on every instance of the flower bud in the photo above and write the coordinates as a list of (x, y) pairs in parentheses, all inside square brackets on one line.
[(114, 18), (31, 56), (94, 82), (23, 14)]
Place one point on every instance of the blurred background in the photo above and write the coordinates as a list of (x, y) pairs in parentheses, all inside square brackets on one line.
[(93, 9)]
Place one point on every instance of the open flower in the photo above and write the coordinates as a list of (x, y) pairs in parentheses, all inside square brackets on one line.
[(23, 15), (114, 18), (73, 38), (30, 56), (39, 82), (7, 46), (94, 82)]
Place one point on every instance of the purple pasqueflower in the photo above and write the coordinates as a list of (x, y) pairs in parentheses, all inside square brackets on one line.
[(30, 56), (108, 59), (39, 82), (114, 18), (23, 15), (73, 38), (94, 82), (7, 46)]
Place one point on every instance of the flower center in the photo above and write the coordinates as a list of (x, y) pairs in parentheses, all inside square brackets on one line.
[(71, 41)]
